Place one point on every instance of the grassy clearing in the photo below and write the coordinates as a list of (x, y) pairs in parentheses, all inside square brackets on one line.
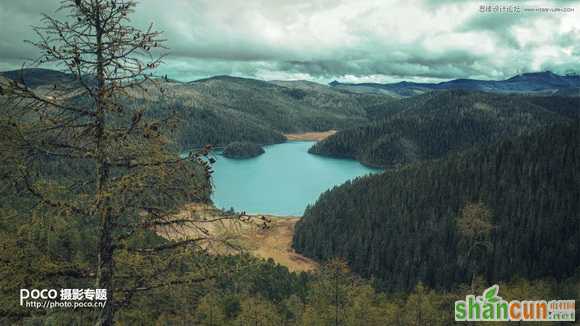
[(264, 236)]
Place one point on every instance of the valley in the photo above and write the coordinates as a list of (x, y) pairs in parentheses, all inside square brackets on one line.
[(289, 163), (366, 183)]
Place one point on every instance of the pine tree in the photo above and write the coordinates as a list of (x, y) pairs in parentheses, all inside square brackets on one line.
[(475, 227)]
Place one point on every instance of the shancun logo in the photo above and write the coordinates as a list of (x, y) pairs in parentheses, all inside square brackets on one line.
[(491, 307)]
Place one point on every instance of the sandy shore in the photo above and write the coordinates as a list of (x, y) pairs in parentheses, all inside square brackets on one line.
[(313, 136), (264, 236)]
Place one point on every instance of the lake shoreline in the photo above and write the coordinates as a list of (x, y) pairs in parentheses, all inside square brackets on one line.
[(310, 136)]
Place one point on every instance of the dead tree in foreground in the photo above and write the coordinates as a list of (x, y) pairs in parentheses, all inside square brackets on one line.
[(116, 164)]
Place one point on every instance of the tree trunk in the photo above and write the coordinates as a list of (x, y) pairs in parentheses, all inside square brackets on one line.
[(105, 246), (105, 266)]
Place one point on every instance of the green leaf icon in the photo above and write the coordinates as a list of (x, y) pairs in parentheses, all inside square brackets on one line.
[(490, 294)]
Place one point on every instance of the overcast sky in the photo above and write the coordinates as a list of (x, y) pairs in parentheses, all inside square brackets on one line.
[(324, 40)]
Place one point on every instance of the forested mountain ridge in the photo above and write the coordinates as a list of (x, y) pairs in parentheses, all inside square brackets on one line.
[(431, 125), (401, 226), (222, 109)]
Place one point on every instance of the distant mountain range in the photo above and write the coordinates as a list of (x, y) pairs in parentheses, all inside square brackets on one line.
[(536, 83), (544, 83)]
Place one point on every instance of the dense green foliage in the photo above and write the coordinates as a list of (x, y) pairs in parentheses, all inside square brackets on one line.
[(46, 243), (434, 124), (242, 150), (401, 226), (203, 125), (248, 291)]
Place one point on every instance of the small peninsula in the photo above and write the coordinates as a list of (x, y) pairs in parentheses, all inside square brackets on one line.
[(242, 150)]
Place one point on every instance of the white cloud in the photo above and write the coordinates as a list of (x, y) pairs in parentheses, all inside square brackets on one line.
[(321, 40)]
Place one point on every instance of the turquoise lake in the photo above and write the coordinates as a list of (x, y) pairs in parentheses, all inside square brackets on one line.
[(282, 181)]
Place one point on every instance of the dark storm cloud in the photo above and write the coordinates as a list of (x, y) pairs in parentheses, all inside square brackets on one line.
[(323, 40)]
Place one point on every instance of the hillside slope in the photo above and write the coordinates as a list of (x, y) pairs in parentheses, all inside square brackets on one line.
[(400, 226), (35, 77), (433, 124)]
